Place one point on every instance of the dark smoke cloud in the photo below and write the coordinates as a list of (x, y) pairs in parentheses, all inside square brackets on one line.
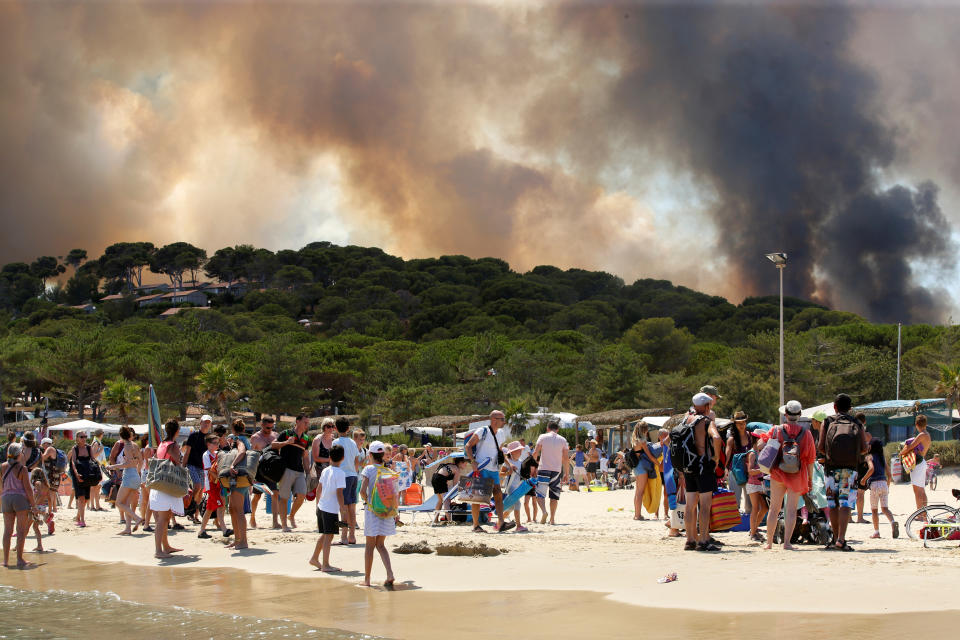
[(766, 106), (529, 133)]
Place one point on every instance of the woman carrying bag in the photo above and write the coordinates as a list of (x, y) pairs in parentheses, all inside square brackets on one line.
[(84, 472), (164, 504)]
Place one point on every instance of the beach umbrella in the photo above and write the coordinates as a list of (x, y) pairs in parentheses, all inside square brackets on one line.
[(153, 419)]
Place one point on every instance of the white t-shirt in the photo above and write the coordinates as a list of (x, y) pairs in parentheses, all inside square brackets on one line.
[(350, 453), (553, 448), (331, 479), (208, 458), (487, 448)]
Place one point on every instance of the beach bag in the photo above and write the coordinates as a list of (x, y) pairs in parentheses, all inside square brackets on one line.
[(768, 455), (246, 467), (790, 451), (89, 472), (168, 477), (909, 460), (384, 494), (271, 467), (843, 442), (739, 467), (631, 458), (475, 489), (683, 449), (677, 515), (724, 511)]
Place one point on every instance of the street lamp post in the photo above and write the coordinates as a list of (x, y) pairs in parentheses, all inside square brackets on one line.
[(780, 261)]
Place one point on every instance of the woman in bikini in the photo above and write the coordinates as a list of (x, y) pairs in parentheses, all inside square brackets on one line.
[(917, 446)]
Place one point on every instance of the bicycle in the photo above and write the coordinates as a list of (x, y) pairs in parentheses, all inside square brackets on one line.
[(935, 523)]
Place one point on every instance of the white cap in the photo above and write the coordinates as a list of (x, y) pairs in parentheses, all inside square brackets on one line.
[(46, 441), (701, 399), (206, 418), (792, 408), (377, 447)]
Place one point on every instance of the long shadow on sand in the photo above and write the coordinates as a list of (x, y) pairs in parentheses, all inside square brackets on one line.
[(250, 552)]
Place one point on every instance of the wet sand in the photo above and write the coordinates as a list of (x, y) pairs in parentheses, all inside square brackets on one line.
[(410, 612)]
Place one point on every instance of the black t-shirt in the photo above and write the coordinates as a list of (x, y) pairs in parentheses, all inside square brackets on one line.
[(198, 446), (292, 455)]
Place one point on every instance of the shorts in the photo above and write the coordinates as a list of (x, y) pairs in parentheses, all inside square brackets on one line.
[(918, 475), (131, 479), (593, 467), (196, 475), (841, 485), (754, 488), (440, 484), (292, 482), (328, 523), (645, 467), (214, 501), (350, 491), (493, 475), (161, 502), (14, 502), (879, 492), (579, 473), (548, 483), (703, 482)]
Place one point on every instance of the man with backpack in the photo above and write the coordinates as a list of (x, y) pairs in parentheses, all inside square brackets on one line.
[(693, 446), (842, 444)]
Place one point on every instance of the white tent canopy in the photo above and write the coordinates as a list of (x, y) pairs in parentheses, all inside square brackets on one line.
[(90, 426)]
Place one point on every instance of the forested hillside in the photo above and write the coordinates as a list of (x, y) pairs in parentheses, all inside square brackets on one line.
[(403, 339)]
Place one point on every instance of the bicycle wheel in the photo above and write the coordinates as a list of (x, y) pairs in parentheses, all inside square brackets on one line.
[(933, 482), (932, 523)]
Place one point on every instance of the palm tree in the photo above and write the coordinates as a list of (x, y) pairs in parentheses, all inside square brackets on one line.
[(122, 395), (949, 386), (218, 382)]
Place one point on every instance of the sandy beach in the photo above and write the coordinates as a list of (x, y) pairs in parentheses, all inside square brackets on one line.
[(597, 547)]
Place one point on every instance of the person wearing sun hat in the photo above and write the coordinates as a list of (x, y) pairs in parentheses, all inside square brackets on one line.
[(512, 472), (375, 528), (738, 444)]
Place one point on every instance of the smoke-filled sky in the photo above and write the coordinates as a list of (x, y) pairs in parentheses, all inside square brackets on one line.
[(648, 140)]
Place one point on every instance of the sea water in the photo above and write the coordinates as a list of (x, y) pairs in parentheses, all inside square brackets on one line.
[(67, 615)]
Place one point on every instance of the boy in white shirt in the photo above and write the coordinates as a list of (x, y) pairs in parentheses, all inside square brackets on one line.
[(333, 481)]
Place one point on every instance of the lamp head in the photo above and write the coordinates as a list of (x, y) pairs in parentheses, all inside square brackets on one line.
[(779, 258)]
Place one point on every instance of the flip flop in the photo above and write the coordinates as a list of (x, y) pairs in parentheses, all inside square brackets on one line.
[(479, 529)]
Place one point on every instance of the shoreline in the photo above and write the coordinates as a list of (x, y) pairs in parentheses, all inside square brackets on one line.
[(597, 549), (411, 612)]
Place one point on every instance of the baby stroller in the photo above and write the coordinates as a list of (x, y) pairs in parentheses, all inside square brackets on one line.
[(816, 529)]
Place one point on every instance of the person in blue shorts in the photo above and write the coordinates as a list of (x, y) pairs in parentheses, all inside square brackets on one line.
[(482, 451)]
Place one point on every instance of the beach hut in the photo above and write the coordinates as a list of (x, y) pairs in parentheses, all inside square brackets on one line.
[(892, 420), (614, 422)]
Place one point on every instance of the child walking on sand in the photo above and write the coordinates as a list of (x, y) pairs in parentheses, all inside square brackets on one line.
[(513, 479), (758, 506), (376, 527), (333, 481), (211, 484), (36, 517)]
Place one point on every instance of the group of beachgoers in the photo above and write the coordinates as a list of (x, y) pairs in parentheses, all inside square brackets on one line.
[(338, 470), (773, 471)]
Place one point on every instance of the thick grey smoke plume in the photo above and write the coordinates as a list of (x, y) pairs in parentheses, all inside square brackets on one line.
[(528, 133), (766, 106)]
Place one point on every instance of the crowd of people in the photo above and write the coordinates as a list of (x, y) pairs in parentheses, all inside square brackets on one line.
[(767, 472)]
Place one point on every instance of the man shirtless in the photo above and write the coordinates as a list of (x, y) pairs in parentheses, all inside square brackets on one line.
[(260, 441)]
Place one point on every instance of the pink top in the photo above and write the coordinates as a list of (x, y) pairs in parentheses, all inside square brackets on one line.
[(553, 448), (11, 480), (164, 449)]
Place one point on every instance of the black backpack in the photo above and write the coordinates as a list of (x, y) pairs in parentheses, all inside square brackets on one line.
[(271, 466), (843, 442), (683, 448), (631, 457)]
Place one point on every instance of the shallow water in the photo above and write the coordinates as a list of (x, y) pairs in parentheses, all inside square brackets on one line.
[(60, 599), (57, 614)]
